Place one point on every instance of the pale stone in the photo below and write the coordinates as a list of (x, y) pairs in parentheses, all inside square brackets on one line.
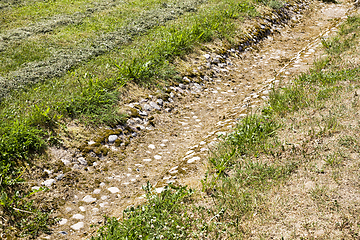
[(113, 189), (191, 160), (78, 216), (77, 226), (89, 199)]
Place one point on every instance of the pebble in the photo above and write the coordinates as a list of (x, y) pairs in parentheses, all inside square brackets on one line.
[(154, 105), (77, 226), (78, 216), (48, 182), (151, 146), (59, 177), (63, 221), (159, 190), (160, 102), (112, 138), (82, 209), (103, 204), (104, 197), (147, 107), (147, 160), (82, 161), (97, 191), (35, 188), (89, 199), (191, 160), (157, 157), (207, 56), (102, 184), (113, 189), (182, 86), (76, 166), (143, 113), (65, 162)]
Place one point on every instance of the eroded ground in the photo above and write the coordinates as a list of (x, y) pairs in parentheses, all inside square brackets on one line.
[(176, 149)]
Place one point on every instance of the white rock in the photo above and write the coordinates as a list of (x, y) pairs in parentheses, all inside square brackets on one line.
[(102, 184), (103, 204), (48, 182), (191, 160), (147, 160), (78, 216), (65, 162), (82, 161), (151, 146), (63, 221), (159, 190), (112, 138), (89, 199), (77, 226), (104, 197), (35, 188), (113, 189), (82, 209), (95, 209), (157, 157), (97, 191)]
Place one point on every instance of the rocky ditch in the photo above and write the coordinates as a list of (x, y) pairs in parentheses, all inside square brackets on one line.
[(169, 133)]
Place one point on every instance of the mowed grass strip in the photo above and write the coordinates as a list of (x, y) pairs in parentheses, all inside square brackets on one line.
[(307, 132)]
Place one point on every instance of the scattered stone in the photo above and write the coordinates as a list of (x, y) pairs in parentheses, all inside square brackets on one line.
[(103, 204), (112, 138), (104, 197), (59, 177), (172, 95), (48, 182), (63, 233), (182, 86), (48, 171), (102, 184), (207, 56), (89, 199), (35, 188), (65, 162), (134, 134), (143, 113), (91, 142), (63, 221), (78, 216), (113, 189), (191, 160), (82, 161), (154, 105), (160, 102), (151, 146), (76, 167), (157, 157), (159, 190), (95, 209), (186, 79), (77, 226), (82, 209), (147, 160), (147, 107), (168, 109)]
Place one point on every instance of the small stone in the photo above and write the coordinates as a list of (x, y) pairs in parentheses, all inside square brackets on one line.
[(95, 209), (207, 56), (154, 105), (78, 216), (191, 160), (91, 142), (63, 221), (186, 79), (89, 199), (113, 189), (82, 161), (172, 95), (147, 107), (104, 197), (66, 162), (102, 184), (160, 102), (112, 138), (63, 233), (159, 190), (59, 177), (168, 109), (35, 188), (134, 134), (77, 226), (182, 86), (147, 160), (82, 209), (143, 113), (103, 204), (48, 182), (157, 157), (151, 146), (97, 191), (76, 166)]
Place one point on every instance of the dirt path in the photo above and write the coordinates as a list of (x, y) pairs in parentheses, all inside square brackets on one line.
[(176, 149)]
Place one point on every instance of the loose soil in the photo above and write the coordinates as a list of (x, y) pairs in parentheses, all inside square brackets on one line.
[(176, 149)]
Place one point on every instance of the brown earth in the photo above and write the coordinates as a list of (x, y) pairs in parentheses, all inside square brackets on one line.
[(176, 149)]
